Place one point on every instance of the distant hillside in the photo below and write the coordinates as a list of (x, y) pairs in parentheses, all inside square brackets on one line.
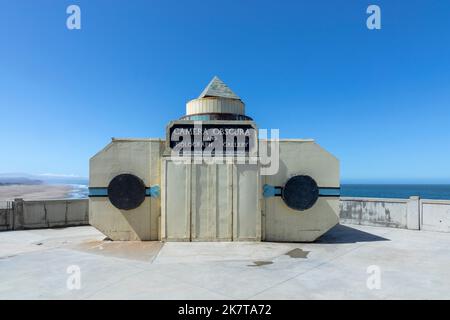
[(18, 178), (6, 181)]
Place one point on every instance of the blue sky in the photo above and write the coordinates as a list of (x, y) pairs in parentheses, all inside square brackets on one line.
[(379, 100)]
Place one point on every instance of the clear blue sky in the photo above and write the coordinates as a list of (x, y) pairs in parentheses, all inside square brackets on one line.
[(378, 100)]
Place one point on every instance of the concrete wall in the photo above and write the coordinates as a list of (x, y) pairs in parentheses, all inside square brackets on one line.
[(282, 223), (5, 214), (435, 215), (140, 157), (44, 214), (412, 213), (374, 212)]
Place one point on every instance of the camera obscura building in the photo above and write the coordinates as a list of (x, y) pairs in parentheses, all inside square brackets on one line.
[(214, 178)]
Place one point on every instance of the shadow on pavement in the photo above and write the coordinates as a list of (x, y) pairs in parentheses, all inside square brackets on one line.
[(345, 234)]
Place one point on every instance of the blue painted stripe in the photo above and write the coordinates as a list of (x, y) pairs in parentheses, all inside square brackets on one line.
[(98, 192), (329, 192), (274, 191), (271, 191), (153, 191)]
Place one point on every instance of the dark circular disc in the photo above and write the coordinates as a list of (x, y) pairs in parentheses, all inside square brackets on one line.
[(300, 192), (126, 191)]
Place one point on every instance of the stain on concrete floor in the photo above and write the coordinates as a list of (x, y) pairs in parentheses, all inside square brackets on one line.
[(260, 263), (7, 257), (298, 253), (132, 250)]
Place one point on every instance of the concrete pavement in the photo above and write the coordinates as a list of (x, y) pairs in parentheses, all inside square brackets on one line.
[(411, 265)]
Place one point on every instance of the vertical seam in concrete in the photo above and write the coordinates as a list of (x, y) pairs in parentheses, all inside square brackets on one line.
[(212, 194), (230, 198), (86, 213), (45, 216), (232, 202), (65, 214), (190, 168), (420, 210), (263, 208), (13, 216)]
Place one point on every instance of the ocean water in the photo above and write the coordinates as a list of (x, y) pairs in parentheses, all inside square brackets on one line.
[(79, 191), (425, 191), (79, 187), (403, 191)]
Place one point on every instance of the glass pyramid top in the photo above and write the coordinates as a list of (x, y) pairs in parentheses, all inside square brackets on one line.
[(217, 88)]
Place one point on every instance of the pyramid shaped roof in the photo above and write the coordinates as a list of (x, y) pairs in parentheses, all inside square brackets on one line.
[(217, 88)]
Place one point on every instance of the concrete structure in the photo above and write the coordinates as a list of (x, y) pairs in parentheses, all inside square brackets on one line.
[(36, 214), (413, 213), (429, 215), (284, 224), (434, 215), (206, 181), (140, 157), (38, 264)]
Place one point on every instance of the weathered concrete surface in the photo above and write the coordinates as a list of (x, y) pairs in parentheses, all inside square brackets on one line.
[(413, 264), (413, 213), (434, 215), (6, 209), (375, 212), (35, 214), (282, 223), (140, 157)]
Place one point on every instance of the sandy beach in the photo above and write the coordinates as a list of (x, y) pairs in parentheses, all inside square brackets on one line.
[(34, 192)]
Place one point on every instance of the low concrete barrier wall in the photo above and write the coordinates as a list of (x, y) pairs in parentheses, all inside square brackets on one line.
[(375, 212), (435, 215), (44, 214), (412, 213), (6, 208)]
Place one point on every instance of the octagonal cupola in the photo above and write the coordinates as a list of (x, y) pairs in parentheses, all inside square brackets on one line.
[(216, 102)]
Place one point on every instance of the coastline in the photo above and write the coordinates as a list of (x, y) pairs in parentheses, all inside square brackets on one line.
[(39, 192)]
